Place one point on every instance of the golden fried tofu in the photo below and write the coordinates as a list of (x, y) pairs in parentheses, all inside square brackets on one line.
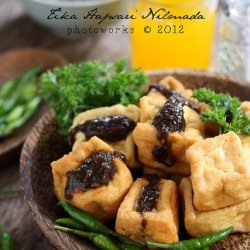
[(245, 139), (158, 172), (75, 178), (145, 136), (155, 171), (169, 82), (160, 224), (172, 83), (125, 146), (246, 107), (220, 172), (149, 107), (198, 223), (211, 129)]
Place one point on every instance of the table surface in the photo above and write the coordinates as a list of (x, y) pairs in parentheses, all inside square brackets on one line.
[(17, 30)]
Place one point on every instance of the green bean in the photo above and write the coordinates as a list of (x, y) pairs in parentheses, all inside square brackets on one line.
[(5, 239), (7, 105), (72, 223), (194, 244), (27, 92), (29, 109), (99, 240), (32, 106), (92, 224), (29, 74), (18, 101), (9, 192), (15, 114), (7, 88)]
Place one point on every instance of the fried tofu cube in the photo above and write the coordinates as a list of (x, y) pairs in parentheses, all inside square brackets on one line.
[(220, 172), (244, 138), (246, 108), (160, 225), (198, 223), (172, 83), (155, 171), (145, 136), (102, 202), (153, 104), (146, 144), (158, 172), (125, 146)]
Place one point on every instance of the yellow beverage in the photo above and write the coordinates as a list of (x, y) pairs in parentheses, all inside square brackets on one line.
[(170, 42)]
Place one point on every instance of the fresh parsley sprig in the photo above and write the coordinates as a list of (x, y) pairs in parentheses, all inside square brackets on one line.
[(74, 88), (224, 110)]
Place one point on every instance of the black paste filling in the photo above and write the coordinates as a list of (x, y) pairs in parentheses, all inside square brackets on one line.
[(149, 196), (169, 92), (110, 128), (169, 119), (229, 116), (95, 171)]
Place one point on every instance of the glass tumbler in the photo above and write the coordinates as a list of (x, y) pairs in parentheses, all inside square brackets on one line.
[(234, 39), (168, 33)]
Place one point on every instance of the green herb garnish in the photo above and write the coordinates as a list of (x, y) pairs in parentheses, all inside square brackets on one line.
[(224, 110), (75, 88)]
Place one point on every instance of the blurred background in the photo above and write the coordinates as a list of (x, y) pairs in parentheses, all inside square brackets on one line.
[(219, 43)]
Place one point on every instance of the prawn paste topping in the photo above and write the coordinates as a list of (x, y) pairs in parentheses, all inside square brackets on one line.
[(95, 171), (167, 92), (169, 119), (110, 128), (149, 196)]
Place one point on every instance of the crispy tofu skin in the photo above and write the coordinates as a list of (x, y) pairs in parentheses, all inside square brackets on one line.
[(160, 225), (201, 223), (172, 83), (131, 111), (246, 107), (155, 171), (220, 172), (101, 202), (145, 135), (125, 146), (244, 138)]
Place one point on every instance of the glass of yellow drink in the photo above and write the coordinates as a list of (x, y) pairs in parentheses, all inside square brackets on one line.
[(174, 33)]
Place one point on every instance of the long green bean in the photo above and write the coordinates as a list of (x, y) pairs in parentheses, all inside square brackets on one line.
[(72, 223), (200, 243), (92, 224), (99, 240)]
